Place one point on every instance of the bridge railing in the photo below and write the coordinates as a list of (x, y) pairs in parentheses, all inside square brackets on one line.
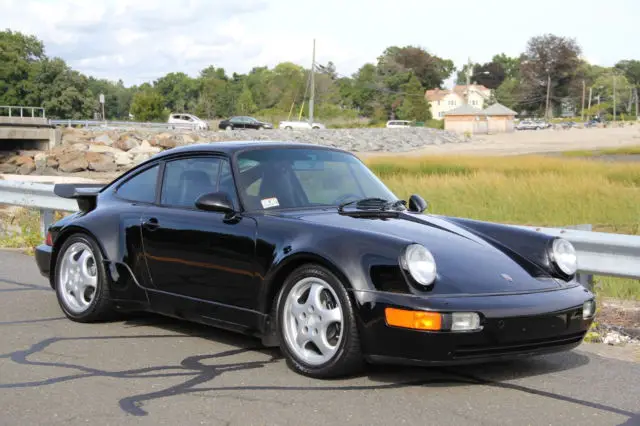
[(22, 111), (125, 125)]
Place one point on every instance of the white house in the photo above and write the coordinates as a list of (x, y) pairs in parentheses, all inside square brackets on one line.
[(444, 100)]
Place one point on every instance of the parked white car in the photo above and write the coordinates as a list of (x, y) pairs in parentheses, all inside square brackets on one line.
[(393, 124), (290, 125), (184, 120)]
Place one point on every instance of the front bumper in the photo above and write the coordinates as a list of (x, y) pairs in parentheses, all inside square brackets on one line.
[(513, 326), (43, 259)]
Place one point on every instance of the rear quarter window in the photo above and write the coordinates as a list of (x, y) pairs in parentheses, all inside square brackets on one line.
[(141, 187)]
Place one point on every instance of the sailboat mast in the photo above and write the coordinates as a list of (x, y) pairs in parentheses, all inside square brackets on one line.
[(313, 86)]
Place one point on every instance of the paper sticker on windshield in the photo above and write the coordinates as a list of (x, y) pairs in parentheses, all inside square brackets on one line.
[(269, 202)]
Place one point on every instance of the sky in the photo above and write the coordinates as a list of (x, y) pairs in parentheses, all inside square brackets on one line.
[(142, 40)]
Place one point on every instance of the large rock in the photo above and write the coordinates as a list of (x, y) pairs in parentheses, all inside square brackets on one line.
[(103, 149), (72, 162), (139, 158), (40, 160), (165, 140), (100, 162), (79, 147), (8, 168), (123, 159), (126, 143), (71, 136), (145, 148), (52, 163), (27, 167), (20, 160), (103, 139)]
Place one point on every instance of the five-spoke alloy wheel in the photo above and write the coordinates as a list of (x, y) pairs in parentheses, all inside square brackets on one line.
[(80, 280), (316, 324)]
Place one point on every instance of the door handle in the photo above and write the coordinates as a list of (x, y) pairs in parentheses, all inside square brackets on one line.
[(151, 224)]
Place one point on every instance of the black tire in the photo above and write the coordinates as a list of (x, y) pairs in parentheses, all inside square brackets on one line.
[(100, 308), (288, 128), (348, 359)]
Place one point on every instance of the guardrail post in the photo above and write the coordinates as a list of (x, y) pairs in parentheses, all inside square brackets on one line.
[(46, 220)]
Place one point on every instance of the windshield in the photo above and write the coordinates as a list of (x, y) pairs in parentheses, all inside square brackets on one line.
[(273, 179)]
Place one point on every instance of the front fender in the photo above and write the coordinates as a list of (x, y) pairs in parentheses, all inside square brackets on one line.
[(534, 246), (363, 262)]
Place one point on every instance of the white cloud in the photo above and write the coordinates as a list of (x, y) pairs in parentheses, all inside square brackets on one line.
[(141, 40)]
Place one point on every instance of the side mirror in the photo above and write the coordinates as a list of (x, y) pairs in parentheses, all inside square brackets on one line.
[(215, 202), (417, 204)]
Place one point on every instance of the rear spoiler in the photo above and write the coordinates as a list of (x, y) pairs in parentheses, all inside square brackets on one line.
[(85, 194)]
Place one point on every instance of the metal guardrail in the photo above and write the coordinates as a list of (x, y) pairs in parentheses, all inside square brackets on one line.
[(599, 253), (123, 124), (19, 111), (36, 195)]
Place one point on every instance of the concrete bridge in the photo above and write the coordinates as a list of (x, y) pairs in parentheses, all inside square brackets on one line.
[(26, 128)]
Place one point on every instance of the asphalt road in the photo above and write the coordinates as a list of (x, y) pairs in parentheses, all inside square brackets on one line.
[(152, 370)]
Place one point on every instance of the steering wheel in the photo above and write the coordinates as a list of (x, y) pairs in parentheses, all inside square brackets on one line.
[(341, 199)]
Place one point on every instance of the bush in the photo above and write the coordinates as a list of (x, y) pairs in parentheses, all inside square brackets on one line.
[(435, 124)]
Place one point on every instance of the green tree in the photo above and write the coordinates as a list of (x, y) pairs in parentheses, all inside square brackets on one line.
[(430, 70), (19, 54), (148, 105), (63, 92), (631, 70), (216, 97), (604, 89), (508, 94), (549, 58), (414, 105), (245, 104), (179, 91), (510, 65)]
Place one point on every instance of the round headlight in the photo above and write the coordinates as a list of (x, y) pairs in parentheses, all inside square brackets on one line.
[(420, 264), (564, 256)]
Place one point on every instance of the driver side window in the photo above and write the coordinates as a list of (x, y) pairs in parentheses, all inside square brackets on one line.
[(185, 180)]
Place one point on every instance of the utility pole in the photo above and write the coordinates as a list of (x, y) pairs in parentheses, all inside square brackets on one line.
[(313, 85), (546, 112), (590, 95), (637, 115), (614, 97), (583, 95), (469, 71)]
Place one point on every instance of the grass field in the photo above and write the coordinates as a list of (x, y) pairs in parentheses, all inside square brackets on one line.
[(528, 190)]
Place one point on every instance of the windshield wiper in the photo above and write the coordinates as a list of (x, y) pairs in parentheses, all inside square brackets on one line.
[(372, 203)]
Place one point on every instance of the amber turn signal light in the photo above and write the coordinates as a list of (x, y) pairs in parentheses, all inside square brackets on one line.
[(417, 320)]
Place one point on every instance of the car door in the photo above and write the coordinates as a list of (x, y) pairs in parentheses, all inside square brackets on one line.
[(252, 123), (200, 255), (237, 122)]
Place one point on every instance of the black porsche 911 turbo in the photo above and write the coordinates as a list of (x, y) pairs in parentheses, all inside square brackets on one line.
[(305, 248)]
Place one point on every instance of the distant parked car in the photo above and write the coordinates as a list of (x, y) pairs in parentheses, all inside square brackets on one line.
[(290, 125), (392, 124), (242, 122), (532, 125), (182, 118)]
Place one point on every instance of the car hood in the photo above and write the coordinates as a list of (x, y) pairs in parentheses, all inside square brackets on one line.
[(466, 262)]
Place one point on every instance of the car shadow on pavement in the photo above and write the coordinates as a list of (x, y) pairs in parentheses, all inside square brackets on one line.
[(198, 373)]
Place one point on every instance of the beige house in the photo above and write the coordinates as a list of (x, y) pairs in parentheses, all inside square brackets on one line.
[(466, 119), (444, 100), (500, 118)]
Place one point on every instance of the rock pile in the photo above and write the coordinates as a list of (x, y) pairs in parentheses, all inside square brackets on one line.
[(117, 150)]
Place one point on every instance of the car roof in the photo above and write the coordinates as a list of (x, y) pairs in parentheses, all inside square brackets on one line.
[(232, 147)]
